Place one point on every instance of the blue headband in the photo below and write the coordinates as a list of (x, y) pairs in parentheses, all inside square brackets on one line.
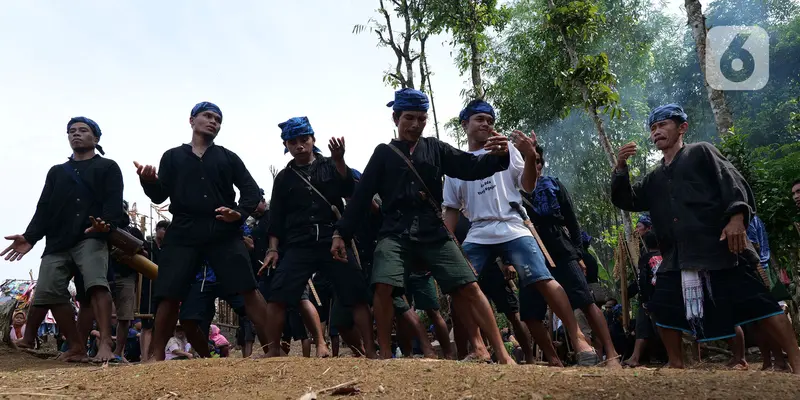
[(669, 111), (409, 100), (476, 107), (296, 127), (206, 106), (92, 125), (645, 220)]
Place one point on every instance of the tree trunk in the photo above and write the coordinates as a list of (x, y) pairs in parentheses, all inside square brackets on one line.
[(424, 62), (477, 83), (697, 21), (407, 45)]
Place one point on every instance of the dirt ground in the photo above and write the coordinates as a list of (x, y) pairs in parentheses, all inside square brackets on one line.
[(23, 376)]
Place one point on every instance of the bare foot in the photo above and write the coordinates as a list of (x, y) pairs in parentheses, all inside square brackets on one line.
[(104, 353), (555, 362), (73, 356), (430, 354), (613, 363), (672, 365), (475, 357), (22, 344), (738, 365), (506, 360), (631, 363), (372, 355), (322, 350)]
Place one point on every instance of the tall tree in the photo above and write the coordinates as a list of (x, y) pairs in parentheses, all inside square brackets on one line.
[(408, 44), (468, 21), (697, 22)]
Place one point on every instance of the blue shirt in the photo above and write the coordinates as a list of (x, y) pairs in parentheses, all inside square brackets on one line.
[(757, 233)]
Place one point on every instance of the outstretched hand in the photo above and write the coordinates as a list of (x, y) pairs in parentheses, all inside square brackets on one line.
[(98, 225), (497, 144), (526, 145), (17, 249), (228, 215), (147, 173), (336, 146)]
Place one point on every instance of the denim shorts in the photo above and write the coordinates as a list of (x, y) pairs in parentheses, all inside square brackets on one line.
[(523, 253)]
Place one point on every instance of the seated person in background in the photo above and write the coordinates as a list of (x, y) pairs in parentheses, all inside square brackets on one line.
[(220, 342), (18, 325), (178, 347)]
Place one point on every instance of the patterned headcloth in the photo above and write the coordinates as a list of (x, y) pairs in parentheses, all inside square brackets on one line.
[(645, 220), (476, 107), (356, 174), (409, 100), (206, 106), (93, 126), (296, 127), (586, 238), (669, 111)]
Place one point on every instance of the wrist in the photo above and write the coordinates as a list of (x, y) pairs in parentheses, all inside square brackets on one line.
[(272, 251)]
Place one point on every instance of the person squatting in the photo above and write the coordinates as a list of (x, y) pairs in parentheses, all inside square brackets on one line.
[(479, 225)]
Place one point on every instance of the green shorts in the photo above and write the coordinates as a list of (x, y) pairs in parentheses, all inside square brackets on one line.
[(395, 258), (90, 256), (420, 291)]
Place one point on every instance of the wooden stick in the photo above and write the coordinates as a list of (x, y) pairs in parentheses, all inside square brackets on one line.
[(524, 214), (314, 292)]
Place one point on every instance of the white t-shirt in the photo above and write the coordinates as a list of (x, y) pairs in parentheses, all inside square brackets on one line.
[(486, 202)]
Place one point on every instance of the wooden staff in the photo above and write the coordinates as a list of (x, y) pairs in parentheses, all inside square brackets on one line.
[(352, 241), (314, 292), (524, 214)]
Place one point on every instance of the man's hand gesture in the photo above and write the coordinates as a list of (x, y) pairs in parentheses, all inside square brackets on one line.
[(147, 173), (17, 249)]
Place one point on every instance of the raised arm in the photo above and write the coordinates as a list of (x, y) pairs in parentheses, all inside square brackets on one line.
[(361, 201), (469, 167), (623, 195), (156, 185)]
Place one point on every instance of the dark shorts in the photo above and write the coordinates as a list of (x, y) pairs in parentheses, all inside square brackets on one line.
[(739, 298), (494, 285), (396, 257), (645, 328), (420, 292), (178, 266), (294, 329), (570, 276), (290, 278), (199, 304)]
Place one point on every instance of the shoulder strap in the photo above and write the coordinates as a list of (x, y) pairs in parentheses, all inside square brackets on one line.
[(428, 193), (311, 186), (436, 208), (81, 185)]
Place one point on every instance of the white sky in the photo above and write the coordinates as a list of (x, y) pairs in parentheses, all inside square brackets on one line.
[(137, 68)]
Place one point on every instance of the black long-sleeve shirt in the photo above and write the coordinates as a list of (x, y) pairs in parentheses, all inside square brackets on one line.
[(196, 187), (690, 201), (64, 207), (297, 214), (560, 232), (406, 212)]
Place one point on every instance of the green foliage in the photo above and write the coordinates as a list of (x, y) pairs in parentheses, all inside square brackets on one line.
[(770, 171), (579, 20)]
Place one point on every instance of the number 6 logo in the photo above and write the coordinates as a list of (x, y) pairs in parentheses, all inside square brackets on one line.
[(737, 57)]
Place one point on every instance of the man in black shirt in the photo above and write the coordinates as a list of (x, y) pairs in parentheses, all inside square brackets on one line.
[(413, 232), (86, 187), (553, 213), (199, 178), (700, 206), (302, 221)]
